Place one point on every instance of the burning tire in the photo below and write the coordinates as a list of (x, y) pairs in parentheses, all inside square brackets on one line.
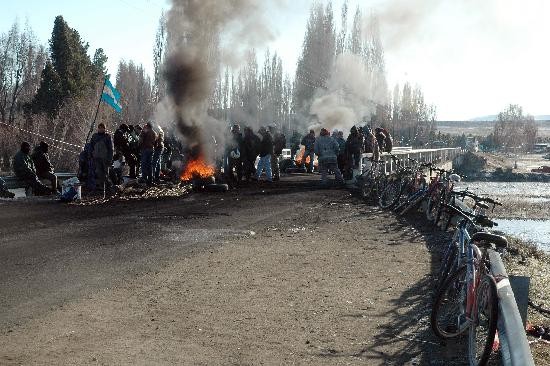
[(216, 188)]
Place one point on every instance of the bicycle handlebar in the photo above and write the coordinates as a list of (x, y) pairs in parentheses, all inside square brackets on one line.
[(475, 220), (476, 198)]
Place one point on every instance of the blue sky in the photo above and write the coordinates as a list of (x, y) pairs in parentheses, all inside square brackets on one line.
[(471, 57)]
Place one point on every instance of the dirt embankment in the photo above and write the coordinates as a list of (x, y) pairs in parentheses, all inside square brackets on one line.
[(502, 167)]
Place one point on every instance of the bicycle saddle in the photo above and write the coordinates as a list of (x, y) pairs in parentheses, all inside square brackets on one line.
[(488, 238)]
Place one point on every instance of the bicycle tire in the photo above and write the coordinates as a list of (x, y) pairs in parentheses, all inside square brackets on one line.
[(390, 195), (367, 188), (447, 267), (487, 299), (452, 292), (415, 202), (433, 209)]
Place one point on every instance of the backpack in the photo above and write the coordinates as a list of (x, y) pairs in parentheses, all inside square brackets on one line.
[(100, 150)]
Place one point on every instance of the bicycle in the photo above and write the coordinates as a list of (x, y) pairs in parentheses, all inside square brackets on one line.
[(471, 295), (443, 185), (396, 183), (373, 181)]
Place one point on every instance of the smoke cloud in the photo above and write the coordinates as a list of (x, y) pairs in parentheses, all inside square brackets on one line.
[(203, 36)]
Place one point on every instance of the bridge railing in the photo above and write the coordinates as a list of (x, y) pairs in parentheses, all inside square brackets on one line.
[(442, 156)]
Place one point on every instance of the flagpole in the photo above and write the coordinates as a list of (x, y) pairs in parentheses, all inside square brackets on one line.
[(97, 110)]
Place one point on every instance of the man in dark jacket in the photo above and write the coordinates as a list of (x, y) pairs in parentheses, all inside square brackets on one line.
[(354, 146), (233, 151), (279, 143), (265, 151), (251, 144), (42, 164), (326, 149), (147, 140), (309, 142), (24, 170), (101, 146)]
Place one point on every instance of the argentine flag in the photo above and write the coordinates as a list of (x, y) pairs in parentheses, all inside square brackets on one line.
[(111, 96)]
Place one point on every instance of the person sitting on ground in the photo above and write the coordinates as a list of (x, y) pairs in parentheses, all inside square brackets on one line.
[(101, 146), (43, 166), (265, 151), (4, 193), (326, 149), (309, 142), (24, 170)]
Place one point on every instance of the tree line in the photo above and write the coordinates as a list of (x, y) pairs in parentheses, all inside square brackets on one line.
[(53, 91)]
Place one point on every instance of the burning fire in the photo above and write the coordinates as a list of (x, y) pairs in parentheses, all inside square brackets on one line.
[(197, 168), (300, 156)]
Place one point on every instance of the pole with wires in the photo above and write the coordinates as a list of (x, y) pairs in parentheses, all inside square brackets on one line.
[(96, 112)]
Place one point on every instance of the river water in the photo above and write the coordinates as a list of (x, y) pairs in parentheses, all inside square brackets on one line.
[(526, 208)]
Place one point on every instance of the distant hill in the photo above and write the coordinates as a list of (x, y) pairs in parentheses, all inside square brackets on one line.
[(493, 117)]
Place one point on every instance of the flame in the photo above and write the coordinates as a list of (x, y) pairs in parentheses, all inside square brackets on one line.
[(300, 156), (197, 168)]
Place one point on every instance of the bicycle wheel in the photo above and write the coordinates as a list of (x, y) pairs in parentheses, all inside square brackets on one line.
[(448, 265), (448, 312), (484, 325), (367, 188), (434, 204), (390, 194), (412, 203)]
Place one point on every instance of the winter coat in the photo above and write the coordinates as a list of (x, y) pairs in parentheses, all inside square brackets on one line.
[(23, 165), (279, 143), (354, 144), (309, 142), (266, 145), (341, 144), (147, 140), (371, 146), (101, 146), (121, 141), (326, 148), (41, 162), (159, 142), (251, 145)]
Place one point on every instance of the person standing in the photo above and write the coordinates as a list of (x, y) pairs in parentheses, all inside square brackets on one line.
[(251, 143), (342, 148), (279, 143), (24, 170), (233, 152), (102, 154), (265, 151), (147, 140), (157, 154), (354, 146), (326, 149), (309, 150), (44, 168)]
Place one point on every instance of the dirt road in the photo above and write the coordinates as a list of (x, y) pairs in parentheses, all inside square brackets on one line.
[(276, 275)]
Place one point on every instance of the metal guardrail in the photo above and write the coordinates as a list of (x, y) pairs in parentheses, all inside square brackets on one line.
[(423, 155), (514, 346)]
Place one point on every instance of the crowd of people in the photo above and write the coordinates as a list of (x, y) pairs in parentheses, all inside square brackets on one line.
[(247, 156)]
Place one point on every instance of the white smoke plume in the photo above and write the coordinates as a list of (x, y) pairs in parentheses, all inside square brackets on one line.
[(203, 36), (351, 95)]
